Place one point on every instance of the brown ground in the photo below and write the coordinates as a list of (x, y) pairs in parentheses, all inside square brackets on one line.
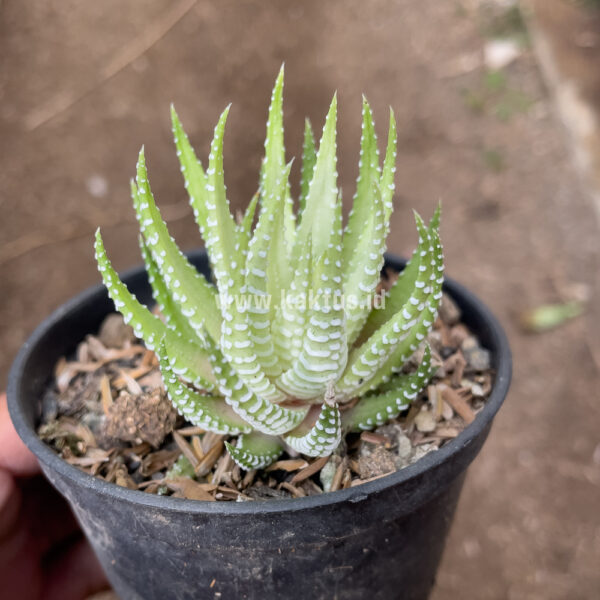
[(519, 225), (567, 42)]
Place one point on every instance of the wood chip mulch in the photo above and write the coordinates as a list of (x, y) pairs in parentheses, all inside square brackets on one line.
[(106, 412)]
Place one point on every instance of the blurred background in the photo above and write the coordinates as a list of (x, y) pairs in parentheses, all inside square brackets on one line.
[(498, 109)]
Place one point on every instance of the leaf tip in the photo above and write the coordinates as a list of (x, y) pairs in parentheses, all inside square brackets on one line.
[(366, 106), (174, 116), (392, 119)]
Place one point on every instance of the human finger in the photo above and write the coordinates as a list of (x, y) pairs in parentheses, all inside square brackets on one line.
[(10, 504), (15, 457)]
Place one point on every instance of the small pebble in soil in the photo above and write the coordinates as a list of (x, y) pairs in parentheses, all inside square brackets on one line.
[(449, 311), (458, 334), (425, 421), (477, 358), (375, 460), (114, 333)]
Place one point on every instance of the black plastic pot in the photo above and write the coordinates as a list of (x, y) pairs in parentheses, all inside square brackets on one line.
[(379, 540)]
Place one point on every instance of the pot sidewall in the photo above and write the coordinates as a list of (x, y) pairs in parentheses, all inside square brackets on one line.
[(368, 541)]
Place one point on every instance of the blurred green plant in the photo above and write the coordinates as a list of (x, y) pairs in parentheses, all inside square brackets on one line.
[(182, 467), (493, 159), (494, 81), (492, 94), (549, 316)]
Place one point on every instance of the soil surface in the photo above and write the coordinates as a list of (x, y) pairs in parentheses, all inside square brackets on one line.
[(83, 85), (108, 413)]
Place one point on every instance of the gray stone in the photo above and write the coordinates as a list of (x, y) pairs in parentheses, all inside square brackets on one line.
[(379, 462), (477, 358), (114, 333), (425, 421)]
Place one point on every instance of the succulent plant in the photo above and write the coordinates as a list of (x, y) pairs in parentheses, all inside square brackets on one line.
[(295, 344)]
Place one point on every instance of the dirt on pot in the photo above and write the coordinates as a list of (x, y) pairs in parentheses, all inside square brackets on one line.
[(107, 413)]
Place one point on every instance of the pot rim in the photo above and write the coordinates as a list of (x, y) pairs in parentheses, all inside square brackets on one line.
[(112, 491)]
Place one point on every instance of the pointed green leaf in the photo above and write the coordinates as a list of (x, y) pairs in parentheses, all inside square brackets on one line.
[(209, 412), (387, 185), (245, 227), (371, 216), (366, 186), (260, 413), (168, 307), (418, 333), (363, 272), (182, 345), (397, 358), (145, 325), (402, 288), (191, 168), (188, 360), (207, 203), (366, 360), (275, 262), (246, 339), (320, 439), (195, 296), (434, 224), (309, 158), (220, 234), (276, 206), (238, 346), (255, 450), (292, 312), (549, 316), (377, 409), (246, 336), (319, 214), (324, 349), (238, 349), (274, 161), (263, 280), (289, 232)]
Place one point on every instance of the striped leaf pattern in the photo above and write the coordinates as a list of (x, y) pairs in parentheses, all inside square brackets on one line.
[(291, 332)]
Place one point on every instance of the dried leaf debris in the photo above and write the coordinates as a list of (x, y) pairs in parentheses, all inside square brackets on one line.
[(107, 414)]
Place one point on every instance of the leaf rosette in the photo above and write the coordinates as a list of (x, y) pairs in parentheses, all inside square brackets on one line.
[(294, 346)]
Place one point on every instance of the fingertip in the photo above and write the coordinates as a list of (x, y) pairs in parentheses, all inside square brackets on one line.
[(10, 504), (15, 457)]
